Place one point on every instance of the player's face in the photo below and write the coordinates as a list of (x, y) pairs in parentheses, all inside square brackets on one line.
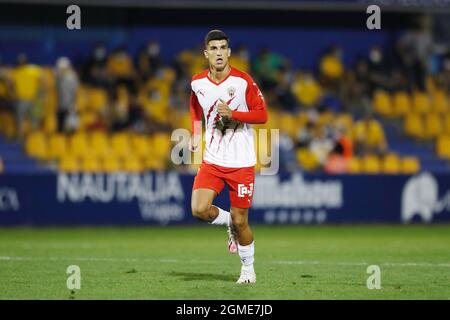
[(217, 53)]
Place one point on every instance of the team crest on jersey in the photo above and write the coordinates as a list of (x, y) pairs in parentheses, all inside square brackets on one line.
[(231, 91)]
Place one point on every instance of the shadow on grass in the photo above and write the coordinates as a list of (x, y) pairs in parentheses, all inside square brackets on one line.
[(195, 276)]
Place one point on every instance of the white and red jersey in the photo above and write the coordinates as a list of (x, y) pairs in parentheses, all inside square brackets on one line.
[(233, 147)]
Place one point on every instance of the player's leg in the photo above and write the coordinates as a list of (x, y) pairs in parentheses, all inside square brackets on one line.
[(201, 204), (207, 185), (246, 245), (240, 184)]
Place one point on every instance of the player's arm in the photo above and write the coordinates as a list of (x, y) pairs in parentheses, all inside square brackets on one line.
[(257, 107), (196, 122)]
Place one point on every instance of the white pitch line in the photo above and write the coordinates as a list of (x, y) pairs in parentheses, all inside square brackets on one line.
[(169, 260)]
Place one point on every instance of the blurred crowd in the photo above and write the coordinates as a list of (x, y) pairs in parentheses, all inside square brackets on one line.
[(143, 93)]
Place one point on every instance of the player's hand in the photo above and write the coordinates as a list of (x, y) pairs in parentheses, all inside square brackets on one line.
[(194, 143), (224, 110)]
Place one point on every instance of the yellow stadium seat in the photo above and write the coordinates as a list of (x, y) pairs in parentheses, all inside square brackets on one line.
[(354, 166), (307, 160), (82, 98), (141, 145), (37, 145), (153, 163), (90, 163), (440, 102), (413, 125), (371, 164), (325, 118), (120, 143), (161, 145), (432, 126), (446, 124), (57, 146), (391, 164), (443, 146), (50, 124), (69, 164), (421, 102), (382, 103), (273, 121), (79, 144), (100, 144), (410, 165), (288, 124), (401, 103), (110, 164), (87, 118), (346, 120), (98, 99), (132, 164)]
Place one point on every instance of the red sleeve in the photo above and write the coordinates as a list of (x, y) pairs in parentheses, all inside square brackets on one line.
[(255, 101), (196, 113)]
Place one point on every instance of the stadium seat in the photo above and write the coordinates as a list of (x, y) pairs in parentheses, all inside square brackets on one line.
[(440, 102), (443, 146), (382, 103), (421, 102), (288, 124), (391, 164), (413, 125), (371, 164), (354, 165), (401, 103), (121, 145), (90, 163), (141, 145), (82, 98), (160, 145), (446, 124), (79, 144), (98, 99), (37, 145), (132, 164), (110, 164), (57, 146), (50, 124), (410, 165), (69, 164), (346, 120), (432, 125), (306, 159), (100, 144)]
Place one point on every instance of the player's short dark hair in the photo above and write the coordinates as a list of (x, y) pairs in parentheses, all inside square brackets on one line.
[(215, 35)]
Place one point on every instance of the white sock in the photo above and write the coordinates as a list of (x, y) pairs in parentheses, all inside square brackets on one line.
[(247, 254), (223, 218)]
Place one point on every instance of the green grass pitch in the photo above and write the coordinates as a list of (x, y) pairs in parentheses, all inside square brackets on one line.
[(292, 262)]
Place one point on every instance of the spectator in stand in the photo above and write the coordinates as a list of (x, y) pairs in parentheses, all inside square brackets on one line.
[(356, 90), (120, 68), (27, 81), (266, 67), (306, 89), (377, 73), (240, 58), (369, 136), (332, 69), (94, 71), (66, 87), (150, 61), (415, 48), (283, 89), (321, 145)]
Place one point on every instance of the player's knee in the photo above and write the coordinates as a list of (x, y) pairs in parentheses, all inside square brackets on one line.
[(200, 211), (239, 221)]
